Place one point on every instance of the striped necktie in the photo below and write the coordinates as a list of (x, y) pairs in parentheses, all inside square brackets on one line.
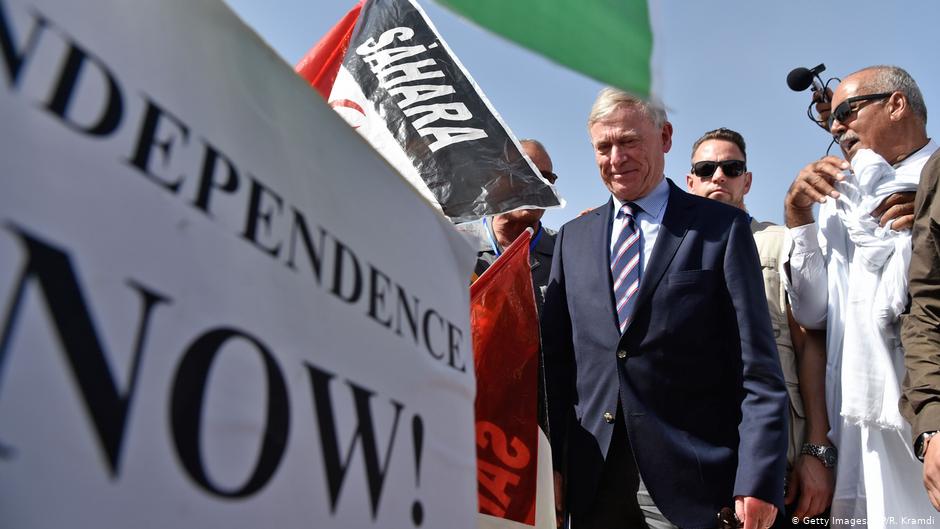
[(625, 266)]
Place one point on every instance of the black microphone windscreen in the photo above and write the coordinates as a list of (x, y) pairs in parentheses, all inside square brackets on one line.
[(799, 79)]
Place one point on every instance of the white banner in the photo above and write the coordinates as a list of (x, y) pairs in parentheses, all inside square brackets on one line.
[(218, 306)]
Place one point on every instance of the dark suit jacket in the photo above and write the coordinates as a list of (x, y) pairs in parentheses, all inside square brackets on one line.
[(703, 396)]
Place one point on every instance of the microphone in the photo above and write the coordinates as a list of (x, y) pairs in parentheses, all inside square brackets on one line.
[(800, 79)]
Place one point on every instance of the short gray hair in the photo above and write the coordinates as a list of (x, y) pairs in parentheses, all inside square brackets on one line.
[(610, 98), (536, 143), (887, 78)]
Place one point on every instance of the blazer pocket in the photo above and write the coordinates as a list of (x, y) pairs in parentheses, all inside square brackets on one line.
[(689, 302), (686, 277)]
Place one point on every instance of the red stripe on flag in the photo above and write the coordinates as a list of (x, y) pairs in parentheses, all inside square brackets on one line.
[(321, 64), (504, 323)]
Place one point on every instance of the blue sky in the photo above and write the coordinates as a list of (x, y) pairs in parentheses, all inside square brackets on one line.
[(720, 63)]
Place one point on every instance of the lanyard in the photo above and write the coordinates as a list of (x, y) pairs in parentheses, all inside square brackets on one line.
[(532, 243)]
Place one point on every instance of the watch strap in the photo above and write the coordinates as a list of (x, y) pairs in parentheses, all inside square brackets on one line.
[(824, 453), (920, 445)]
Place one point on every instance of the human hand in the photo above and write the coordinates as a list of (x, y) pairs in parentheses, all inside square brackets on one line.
[(932, 472), (754, 513), (559, 499), (898, 207), (813, 484), (814, 183), (823, 107)]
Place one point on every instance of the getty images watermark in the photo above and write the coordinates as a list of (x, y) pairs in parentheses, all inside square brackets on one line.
[(863, 522)]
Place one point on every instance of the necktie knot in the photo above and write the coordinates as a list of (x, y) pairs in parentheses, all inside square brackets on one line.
[(629, 209)]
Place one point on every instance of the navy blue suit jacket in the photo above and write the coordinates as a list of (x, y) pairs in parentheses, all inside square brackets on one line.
[(703, 396)]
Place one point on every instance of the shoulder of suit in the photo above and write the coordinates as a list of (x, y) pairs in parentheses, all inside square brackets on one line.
[(546, 244), (587, 219), (928, 177), (934, 159), (767, 228), (711, 207)]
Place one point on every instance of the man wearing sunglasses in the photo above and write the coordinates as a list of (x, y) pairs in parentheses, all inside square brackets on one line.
[(848, 274), (495, 233), (719, 172), (660, 374)]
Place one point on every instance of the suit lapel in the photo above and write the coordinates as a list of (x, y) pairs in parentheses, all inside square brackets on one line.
[(602, 247), (676, 221)]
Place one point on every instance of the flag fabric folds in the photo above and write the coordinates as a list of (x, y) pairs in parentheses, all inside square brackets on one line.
[(611, 42), (513, 457), (321, 64), (386, 70)]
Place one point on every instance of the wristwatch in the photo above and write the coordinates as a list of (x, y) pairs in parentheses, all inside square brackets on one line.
[(920, 445), (825, 453)]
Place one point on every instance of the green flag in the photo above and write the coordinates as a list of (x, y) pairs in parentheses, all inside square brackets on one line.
[(609, 40)]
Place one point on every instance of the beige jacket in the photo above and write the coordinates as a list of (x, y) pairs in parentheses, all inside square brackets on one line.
[(770, 245)]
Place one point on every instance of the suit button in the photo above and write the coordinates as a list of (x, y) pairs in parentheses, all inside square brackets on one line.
[(609, 417), (621, 354)]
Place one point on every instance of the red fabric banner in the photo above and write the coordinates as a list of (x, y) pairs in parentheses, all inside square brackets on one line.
[(504, 322), (321, 64)]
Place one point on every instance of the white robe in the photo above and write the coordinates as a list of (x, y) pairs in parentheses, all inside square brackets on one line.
[(850, 275)]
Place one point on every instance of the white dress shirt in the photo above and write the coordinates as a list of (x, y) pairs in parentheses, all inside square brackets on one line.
[(648, 219)]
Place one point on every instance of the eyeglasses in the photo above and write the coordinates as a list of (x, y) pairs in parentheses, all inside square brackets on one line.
[(845, 109), (550, 176), (730, 168)]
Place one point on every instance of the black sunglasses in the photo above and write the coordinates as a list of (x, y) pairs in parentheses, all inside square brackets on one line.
[(844, 110), (550, 176), (731, 168)]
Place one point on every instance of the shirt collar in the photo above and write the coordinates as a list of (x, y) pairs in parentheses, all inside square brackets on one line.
[(487, 237), (919, 156), (546, 244)]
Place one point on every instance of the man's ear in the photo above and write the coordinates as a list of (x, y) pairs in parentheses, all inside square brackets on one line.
[(667, 137), (897, 105)]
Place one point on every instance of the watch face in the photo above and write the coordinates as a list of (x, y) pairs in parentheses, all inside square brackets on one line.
[(828, 455)]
